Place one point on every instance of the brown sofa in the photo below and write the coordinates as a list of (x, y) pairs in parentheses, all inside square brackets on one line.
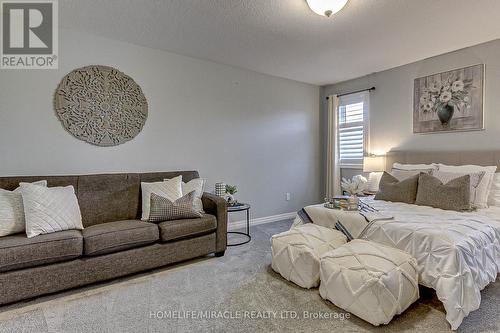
[(114, 242)]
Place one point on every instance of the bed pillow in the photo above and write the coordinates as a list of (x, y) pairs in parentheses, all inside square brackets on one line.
[(392, 189), (170, 189), (403, 174), (198, 186), (163, 209), (401, 166), (494, 196), (12, 212), (475, 181), (50, 209), (484, 187), (454, 195)]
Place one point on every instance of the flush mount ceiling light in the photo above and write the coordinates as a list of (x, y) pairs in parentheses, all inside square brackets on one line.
[(326, 7)]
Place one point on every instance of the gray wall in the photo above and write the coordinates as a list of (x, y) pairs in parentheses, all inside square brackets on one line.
[(256, 131), (391, 104)]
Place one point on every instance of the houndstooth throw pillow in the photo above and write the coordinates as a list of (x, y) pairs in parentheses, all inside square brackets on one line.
[(163, 209)]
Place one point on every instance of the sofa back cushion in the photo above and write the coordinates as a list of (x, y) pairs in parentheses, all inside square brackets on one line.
[(108, 198), (11, 183), (105, 197)]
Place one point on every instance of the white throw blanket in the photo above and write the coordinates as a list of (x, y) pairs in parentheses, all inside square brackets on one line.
[(458, 253), (353, 223)]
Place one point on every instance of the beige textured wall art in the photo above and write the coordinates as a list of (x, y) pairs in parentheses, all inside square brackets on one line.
[(101, 105)]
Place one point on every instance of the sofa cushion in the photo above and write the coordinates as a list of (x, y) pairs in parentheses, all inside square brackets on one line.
[(18, 251), (108, 198), (117, 236), (176, 229)]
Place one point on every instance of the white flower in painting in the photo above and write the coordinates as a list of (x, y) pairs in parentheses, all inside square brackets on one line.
[(435, 86), (427, 106), (466, 99), (424, 99), (457, 86), (445, 97)]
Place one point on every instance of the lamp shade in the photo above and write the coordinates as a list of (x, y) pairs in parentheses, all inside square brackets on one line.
[(326, 7), (373, 164)]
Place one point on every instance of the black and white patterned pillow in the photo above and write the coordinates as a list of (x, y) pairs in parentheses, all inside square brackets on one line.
[(163, 209)]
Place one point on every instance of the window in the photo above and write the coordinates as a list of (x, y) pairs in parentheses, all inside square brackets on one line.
[(352, 129)]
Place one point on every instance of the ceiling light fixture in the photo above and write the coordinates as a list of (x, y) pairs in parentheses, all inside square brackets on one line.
[(326, 7)]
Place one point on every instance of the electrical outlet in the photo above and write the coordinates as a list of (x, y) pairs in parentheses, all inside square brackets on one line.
[(287, 196)]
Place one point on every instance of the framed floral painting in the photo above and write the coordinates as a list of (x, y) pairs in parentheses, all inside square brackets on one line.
[(449, 101)]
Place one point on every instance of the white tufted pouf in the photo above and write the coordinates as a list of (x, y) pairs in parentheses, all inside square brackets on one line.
[(296, 253), (372, 281)]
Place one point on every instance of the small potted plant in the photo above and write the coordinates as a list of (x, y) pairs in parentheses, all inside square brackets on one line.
[(231, 190)]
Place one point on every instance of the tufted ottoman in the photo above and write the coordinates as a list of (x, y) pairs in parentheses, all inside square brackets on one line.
[(373, 281), (296, 253)]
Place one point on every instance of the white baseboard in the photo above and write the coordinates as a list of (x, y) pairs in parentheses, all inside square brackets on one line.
[(261, 220)]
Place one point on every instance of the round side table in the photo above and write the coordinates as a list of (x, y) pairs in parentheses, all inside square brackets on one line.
[(243, 207)]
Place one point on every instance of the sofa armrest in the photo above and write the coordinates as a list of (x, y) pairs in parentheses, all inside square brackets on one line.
[(217, 206)]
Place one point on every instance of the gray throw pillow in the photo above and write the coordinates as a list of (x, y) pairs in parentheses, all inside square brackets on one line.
[(454, 195), (392, 189), (163, 209)]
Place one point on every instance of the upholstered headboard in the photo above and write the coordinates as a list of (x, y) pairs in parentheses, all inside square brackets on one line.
[(478, 157)]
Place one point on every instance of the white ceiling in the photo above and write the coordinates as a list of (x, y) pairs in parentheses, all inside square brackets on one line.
[(284, 38)]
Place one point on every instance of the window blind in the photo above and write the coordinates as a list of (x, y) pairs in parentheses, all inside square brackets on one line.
[(351, 130)]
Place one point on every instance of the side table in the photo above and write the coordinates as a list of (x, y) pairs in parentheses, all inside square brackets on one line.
[(240, 208)]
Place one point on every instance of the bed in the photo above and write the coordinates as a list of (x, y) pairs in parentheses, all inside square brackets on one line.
[(458, 253)]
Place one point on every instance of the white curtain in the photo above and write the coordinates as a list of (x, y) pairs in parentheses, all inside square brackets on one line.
[(332, 155)]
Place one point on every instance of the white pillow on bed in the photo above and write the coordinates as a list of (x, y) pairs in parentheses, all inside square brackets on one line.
[(411, 167), (494, 196), (405, 174), (484, 187)]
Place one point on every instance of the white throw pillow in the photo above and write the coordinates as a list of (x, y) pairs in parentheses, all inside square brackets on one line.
[(494, 196), (12, 212), (198, 186), (484, 187), (50, 209), (170, 189), (475, 181)]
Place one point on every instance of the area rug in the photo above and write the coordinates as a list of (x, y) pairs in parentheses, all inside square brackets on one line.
[(236, 293)]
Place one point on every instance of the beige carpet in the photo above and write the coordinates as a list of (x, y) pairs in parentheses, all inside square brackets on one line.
[(240, 287)]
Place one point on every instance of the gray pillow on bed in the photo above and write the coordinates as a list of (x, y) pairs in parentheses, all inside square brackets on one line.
[(454, 195), (392, 189)]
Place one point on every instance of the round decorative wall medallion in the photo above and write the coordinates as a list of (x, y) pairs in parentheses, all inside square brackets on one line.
[(101, 105)]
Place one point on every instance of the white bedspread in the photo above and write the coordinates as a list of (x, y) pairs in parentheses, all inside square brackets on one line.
[(458, 254)]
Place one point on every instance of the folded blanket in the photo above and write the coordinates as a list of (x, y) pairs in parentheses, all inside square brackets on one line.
[(351, 223)]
